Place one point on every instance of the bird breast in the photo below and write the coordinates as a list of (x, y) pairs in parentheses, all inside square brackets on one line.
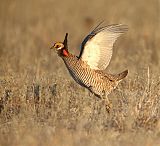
[(85, 76)]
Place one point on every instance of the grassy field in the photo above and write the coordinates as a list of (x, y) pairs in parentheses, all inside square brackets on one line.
[(39, 102)]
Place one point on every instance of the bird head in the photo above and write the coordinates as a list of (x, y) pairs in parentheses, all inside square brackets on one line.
[(61, 48)]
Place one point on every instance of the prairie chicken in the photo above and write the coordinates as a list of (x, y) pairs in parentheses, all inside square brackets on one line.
[(87, 69)]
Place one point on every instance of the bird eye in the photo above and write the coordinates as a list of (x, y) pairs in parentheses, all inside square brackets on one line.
[(57, 46)]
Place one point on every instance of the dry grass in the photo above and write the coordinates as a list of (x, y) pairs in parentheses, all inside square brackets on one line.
[(41, 105)]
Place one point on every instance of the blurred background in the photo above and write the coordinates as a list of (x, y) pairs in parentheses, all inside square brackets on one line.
[(39, 102), (29, 28)]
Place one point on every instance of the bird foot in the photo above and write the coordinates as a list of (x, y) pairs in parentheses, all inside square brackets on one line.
[(108, 107), (108, 104)]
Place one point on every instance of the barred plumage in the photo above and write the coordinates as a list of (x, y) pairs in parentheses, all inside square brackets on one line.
[(95, 81), (96, 51)]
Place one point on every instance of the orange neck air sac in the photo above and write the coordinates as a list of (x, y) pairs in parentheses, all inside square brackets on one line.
[(65, 52)]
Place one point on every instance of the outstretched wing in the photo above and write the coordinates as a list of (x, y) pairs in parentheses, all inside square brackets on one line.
[(96, 49)]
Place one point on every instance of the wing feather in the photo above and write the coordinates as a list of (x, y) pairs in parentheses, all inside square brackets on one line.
[(96, 48)]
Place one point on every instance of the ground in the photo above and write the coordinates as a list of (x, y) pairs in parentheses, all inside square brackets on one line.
[(40, 104)]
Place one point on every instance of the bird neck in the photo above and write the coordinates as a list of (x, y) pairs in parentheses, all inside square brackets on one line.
[(63, 53)]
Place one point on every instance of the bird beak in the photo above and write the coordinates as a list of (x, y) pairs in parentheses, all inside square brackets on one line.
[(52, 47)]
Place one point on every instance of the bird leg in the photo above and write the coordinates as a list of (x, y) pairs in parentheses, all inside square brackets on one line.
[(107, 103)]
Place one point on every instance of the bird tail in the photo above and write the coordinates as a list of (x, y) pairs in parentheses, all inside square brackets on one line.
[(117, 77), (121, 75)]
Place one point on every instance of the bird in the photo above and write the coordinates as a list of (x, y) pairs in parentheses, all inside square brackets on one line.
[(88, 69)]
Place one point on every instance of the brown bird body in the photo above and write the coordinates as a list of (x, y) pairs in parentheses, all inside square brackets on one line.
[(96, 81), (96, 51)]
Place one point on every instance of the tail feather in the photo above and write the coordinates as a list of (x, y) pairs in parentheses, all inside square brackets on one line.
[(120, 76), (117, 77)]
